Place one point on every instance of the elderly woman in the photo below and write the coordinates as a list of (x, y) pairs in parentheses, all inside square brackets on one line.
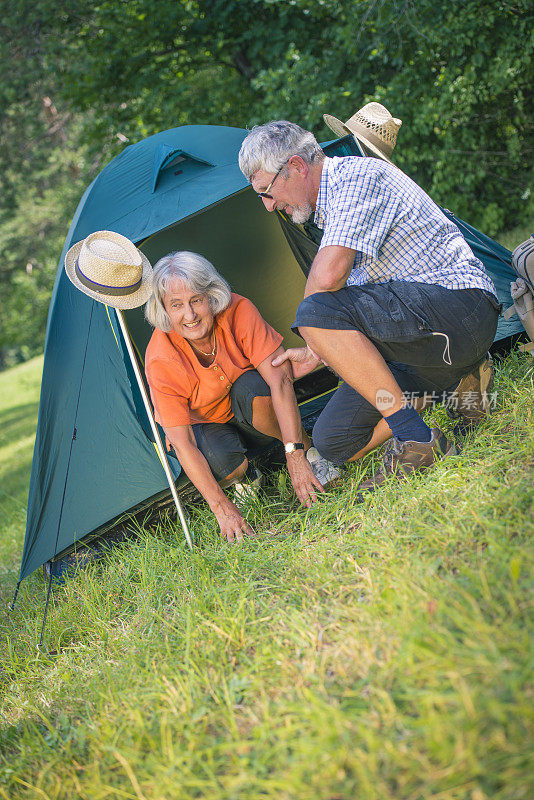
[(214, 387)]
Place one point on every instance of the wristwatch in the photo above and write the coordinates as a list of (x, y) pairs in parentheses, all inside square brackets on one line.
[(290, 447)]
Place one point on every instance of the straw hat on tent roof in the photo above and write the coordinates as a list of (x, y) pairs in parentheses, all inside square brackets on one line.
[(372, 126)]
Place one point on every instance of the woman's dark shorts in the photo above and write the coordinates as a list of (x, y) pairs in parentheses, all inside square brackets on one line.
[(224, 445), (429, 336)]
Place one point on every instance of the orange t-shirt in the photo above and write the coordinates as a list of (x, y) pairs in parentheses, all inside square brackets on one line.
[(183, 391)]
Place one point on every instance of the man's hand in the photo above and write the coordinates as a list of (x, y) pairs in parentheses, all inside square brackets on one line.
[(304, 481), (231, 522), (302, 360)]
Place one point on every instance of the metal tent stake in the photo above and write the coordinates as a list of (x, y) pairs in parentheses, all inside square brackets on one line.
[(157, 437)]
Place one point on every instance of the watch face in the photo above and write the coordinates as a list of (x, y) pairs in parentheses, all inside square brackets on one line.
[(290, 447)]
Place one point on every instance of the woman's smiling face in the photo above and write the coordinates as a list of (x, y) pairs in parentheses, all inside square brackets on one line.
[(190, 313)]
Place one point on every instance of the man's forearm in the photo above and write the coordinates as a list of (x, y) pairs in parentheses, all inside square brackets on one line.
[(330, 269)]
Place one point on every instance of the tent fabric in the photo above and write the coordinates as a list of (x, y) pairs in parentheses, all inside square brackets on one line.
[(89, 442), (94, 458), (498, 262)]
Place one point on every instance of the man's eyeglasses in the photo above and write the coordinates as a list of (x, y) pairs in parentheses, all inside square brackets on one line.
[(266, 194)]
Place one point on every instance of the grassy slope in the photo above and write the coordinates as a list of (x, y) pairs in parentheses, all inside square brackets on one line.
[(371, 651), (512, 238), (19, 399)]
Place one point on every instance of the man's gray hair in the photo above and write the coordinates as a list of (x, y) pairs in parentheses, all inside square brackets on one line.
[(198, 274), (269, 146)]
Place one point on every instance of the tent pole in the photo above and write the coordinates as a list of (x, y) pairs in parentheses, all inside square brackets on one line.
[(11, 606), (159, 444)]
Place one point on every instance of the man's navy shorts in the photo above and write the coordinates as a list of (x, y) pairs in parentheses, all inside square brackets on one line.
[(429, 336), (224, 445)]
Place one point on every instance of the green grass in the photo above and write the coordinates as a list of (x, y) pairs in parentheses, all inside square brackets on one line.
[(381, 650), (19, 400), (512, 238)]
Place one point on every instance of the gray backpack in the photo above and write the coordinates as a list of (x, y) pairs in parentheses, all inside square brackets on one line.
[(522, 290)]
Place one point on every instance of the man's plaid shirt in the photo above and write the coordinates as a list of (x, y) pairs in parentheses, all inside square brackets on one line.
[(398, 232)]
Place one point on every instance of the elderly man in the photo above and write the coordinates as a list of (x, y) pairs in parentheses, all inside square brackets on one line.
[(396, 302)]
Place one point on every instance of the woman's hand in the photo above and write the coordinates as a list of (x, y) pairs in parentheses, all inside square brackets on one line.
[(304, 481), (302, 360), (231, 522)]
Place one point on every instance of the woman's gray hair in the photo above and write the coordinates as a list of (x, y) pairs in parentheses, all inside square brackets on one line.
[(198, 274), (269, 146)]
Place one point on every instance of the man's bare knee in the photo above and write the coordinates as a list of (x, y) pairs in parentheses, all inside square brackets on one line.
[(309, 334), (315, 337)]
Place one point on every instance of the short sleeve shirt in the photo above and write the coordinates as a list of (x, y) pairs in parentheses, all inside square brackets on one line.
[(397, 230), (183, 391)]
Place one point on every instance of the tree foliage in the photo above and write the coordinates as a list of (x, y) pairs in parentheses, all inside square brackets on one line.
[(459, 74)]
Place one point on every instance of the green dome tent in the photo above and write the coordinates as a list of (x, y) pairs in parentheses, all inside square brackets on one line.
[(94, 457)]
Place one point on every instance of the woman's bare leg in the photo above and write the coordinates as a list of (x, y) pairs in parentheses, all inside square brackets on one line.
[(235, 476), (265, 421), (381, 434)]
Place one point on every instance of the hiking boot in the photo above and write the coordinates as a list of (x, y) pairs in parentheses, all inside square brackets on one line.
[(325, 472), (402, 459), (472, 397)]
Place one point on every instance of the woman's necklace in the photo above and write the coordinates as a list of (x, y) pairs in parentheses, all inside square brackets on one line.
[(212, 353)]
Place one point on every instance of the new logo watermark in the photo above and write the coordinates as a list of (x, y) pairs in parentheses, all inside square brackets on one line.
[(384, 400), (469, 401)]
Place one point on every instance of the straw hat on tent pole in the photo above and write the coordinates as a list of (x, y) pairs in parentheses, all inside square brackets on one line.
[(372, 126), (109, 268)]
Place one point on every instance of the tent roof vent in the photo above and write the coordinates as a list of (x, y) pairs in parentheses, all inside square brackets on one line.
[(167, 157)]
